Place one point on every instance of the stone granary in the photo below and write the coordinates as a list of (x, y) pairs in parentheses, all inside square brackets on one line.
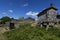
[(10, 24), (49, 16)]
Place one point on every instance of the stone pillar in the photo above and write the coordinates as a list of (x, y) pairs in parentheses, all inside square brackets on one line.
[(41, 25), (47, 27)]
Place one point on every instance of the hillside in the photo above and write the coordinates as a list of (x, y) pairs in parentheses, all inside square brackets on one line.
[(27, 32)]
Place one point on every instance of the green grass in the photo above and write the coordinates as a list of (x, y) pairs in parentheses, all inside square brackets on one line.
[(26, 32), (2, 37)]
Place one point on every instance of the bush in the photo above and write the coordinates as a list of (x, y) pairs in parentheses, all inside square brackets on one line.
[(5, 19)]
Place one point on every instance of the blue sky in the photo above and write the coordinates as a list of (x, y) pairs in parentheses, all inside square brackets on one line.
[(20, 8)]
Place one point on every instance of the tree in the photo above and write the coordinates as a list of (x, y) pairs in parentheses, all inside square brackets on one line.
[(5, 19), (30, 18)]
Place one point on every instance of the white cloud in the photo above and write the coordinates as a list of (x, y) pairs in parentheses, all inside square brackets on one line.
[(24, 5), (4, 13), (11, 11), (30, 13)]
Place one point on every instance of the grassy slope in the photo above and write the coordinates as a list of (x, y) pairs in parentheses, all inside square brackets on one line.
[(2, 37), (27, 32)]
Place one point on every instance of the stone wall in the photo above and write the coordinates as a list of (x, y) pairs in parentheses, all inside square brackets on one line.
[(51, 14), (42, 18)]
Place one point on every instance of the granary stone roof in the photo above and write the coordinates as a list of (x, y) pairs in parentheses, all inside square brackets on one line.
[(45, 10)]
